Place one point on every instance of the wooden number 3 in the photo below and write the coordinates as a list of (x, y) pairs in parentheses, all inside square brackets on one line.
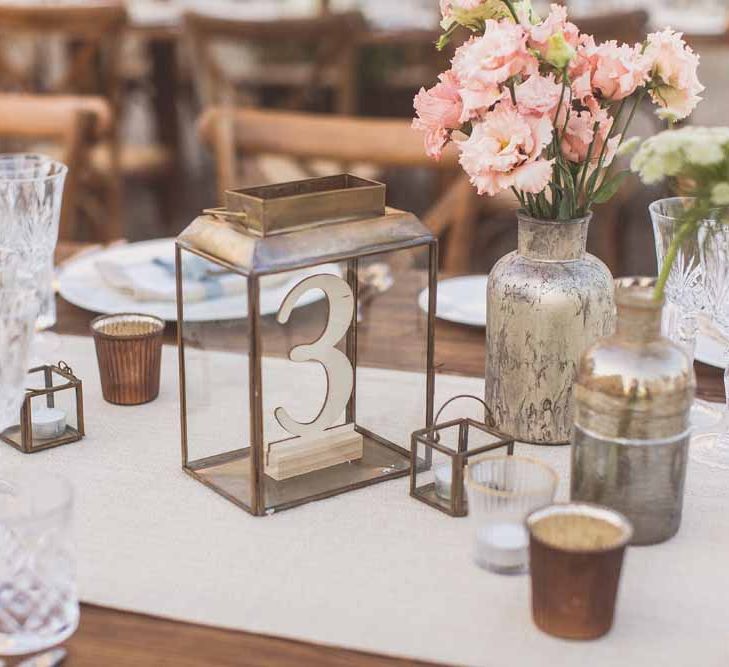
[(340, 375)]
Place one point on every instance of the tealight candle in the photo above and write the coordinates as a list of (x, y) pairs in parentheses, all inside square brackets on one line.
[(502, 546), (443, 474), (48, 423)]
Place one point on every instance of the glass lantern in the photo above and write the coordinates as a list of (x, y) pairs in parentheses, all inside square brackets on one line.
[(287, 296), (52, 411), (442, 452)]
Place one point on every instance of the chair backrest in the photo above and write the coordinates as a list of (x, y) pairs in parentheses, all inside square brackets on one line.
[(68, 123), (300, 55), (87, 34), (624, 26), (303, 136)]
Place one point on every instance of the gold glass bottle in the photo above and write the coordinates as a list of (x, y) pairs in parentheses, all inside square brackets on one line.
[(634, 393)]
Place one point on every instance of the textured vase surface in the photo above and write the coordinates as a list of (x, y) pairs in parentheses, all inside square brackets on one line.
[(547, 302)]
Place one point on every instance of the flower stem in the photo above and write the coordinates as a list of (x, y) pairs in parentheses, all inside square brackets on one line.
[(681, 235), (690, 221), (512, 11)]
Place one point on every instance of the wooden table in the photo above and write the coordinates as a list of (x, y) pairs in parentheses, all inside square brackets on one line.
[(121, 639)]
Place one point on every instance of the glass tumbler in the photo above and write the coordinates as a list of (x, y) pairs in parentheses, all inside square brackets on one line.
[(31, 192), (502, 491), (686, 293), (712, 448), (38, 600)]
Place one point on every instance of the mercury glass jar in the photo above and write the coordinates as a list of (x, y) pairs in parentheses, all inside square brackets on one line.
[(634, 393), (547, 302)]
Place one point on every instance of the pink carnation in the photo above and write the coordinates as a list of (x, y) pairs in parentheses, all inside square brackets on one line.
[(554, 24), (580, 131), (439, 110), (504, 150), (538, 95), (581, 67), (617, 70), (673, 70), (484, 63)]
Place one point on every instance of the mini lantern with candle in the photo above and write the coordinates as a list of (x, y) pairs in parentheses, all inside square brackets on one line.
[(52, 412), (271, 250), (440, 454)]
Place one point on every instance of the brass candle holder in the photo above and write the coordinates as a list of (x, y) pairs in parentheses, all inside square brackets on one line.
[(438, 467), (52, 413)]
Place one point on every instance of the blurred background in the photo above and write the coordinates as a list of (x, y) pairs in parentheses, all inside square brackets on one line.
[(159, 106)]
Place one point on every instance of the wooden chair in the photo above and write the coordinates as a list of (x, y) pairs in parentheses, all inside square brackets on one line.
[(301, 56), (71, 50), (347, 141), (69, 125), (90, 40)]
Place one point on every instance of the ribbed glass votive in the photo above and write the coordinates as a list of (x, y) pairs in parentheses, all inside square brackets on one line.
[(129, 351), (502, 490)]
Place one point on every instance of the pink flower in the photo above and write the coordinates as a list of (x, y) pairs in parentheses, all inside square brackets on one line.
[(554, 24), (504, 151), (438, 110), (447, 6), (484, 63), (580, 131), (673, 71), (617, 70), (538, 95)]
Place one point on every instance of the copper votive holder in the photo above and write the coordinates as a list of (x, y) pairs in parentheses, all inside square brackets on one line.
[(576, 554), (129, 351)]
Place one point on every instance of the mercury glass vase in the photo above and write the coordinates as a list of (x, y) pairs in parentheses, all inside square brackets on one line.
[(546, 303), (634, 393)]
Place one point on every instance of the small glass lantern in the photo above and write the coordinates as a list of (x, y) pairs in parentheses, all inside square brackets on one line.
[(52, 412), (441, 453), (273, 318)]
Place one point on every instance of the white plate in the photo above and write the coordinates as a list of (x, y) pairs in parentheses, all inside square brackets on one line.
[(80, 284), (709, 347), (461, 300)]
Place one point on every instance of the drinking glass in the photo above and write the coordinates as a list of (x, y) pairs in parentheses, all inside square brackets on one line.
[(31, 191), (38, 601), (18, 312), (502, 491), (686, 296), (712, 449)]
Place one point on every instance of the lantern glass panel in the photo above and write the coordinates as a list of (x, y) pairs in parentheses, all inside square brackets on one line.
[(392, 347), (216, 377), (53, 416), (434, 468)]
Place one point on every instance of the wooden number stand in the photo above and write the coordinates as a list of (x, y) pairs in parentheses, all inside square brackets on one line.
[(317, 444)]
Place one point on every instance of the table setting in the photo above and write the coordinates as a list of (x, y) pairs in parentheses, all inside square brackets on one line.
[(251, 429)]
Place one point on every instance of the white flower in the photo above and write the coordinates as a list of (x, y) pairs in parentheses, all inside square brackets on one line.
[(704, 151), (671, 152), (720, 194), (629, 146)]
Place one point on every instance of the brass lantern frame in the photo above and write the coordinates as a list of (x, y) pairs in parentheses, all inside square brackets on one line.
[(287, 227), (430, 439), (24, 430)]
